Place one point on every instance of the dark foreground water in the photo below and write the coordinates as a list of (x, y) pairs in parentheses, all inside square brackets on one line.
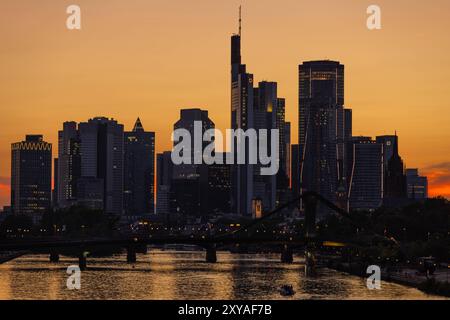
[(185, 275)]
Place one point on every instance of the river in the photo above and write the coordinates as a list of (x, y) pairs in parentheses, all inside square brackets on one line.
[(184, 275)]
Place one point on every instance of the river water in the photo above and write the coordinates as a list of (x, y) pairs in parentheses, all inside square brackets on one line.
[(184, 275)]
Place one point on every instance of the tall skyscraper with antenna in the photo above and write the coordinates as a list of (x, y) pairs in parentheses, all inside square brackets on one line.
[(252, 107), (241, 118)]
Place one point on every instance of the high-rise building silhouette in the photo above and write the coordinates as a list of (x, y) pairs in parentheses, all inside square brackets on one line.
[(164, 176), (395, 178), (69, 165), (319, 81), (366, 180), (189, 186), (288, 155), (219, 183), (253, 108), (321, 128), (295, 170), (102, 151), (242, 117), (348, 149), (91, 193), (55, 183), (417, 186), (388, 142), (139, 171), (266, 117), (31, 174), (281, 126), (282, 177), (348, 123)]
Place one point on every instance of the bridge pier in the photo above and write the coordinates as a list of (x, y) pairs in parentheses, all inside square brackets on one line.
[(211, 254), (142, 249), (54, 257), (287, 255), (310, 263), (82, 261), (131, 254)]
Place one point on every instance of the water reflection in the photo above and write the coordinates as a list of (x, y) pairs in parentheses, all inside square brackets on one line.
[(185, 275)]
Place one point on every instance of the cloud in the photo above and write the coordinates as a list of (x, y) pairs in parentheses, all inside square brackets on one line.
[(443, 166), (438, 179)]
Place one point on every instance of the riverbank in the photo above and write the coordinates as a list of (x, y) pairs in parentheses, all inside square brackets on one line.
[(8, 256), (437, 284)]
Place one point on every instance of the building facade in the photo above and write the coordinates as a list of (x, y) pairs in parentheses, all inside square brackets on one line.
[(255, 107), (319, 81), (321, 128), (189, 187), (287, 139), (268, 114), (164, 176), (31, 174), (366, 182), (242, 117), (69, 165), (139, 171), (417, 186), (388, 142), (395, 178), (102, 155)]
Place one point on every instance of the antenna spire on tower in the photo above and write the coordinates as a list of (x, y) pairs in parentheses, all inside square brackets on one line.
[(240, 20)]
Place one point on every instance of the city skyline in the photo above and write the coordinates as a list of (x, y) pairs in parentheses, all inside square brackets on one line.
[(416, 149)]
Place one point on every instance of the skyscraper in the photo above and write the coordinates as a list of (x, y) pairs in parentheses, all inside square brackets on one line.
[(31, 174), (287, 139), (284, 130), (69, 165), (295, 170), (219, 183), (348, 123), (102, 146), (417, 185), (188, 118), (242, 117), (164, 176), (366, 181), (395, 179), (91, 193), (388, 142), (318, 80), (253, 108), (55, 183), (348, 147), (189, 186), (321, 128), (267, 117), (281, 126), (139, 171)]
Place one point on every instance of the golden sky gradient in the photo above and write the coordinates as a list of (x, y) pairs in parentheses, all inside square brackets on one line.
[(149, 58)]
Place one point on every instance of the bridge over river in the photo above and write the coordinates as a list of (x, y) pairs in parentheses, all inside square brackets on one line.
[(308, 242)]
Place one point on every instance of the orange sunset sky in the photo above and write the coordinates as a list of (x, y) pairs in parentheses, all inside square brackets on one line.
[(149, 58)]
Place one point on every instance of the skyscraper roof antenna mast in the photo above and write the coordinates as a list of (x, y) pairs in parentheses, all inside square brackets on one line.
[(240, 20)]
